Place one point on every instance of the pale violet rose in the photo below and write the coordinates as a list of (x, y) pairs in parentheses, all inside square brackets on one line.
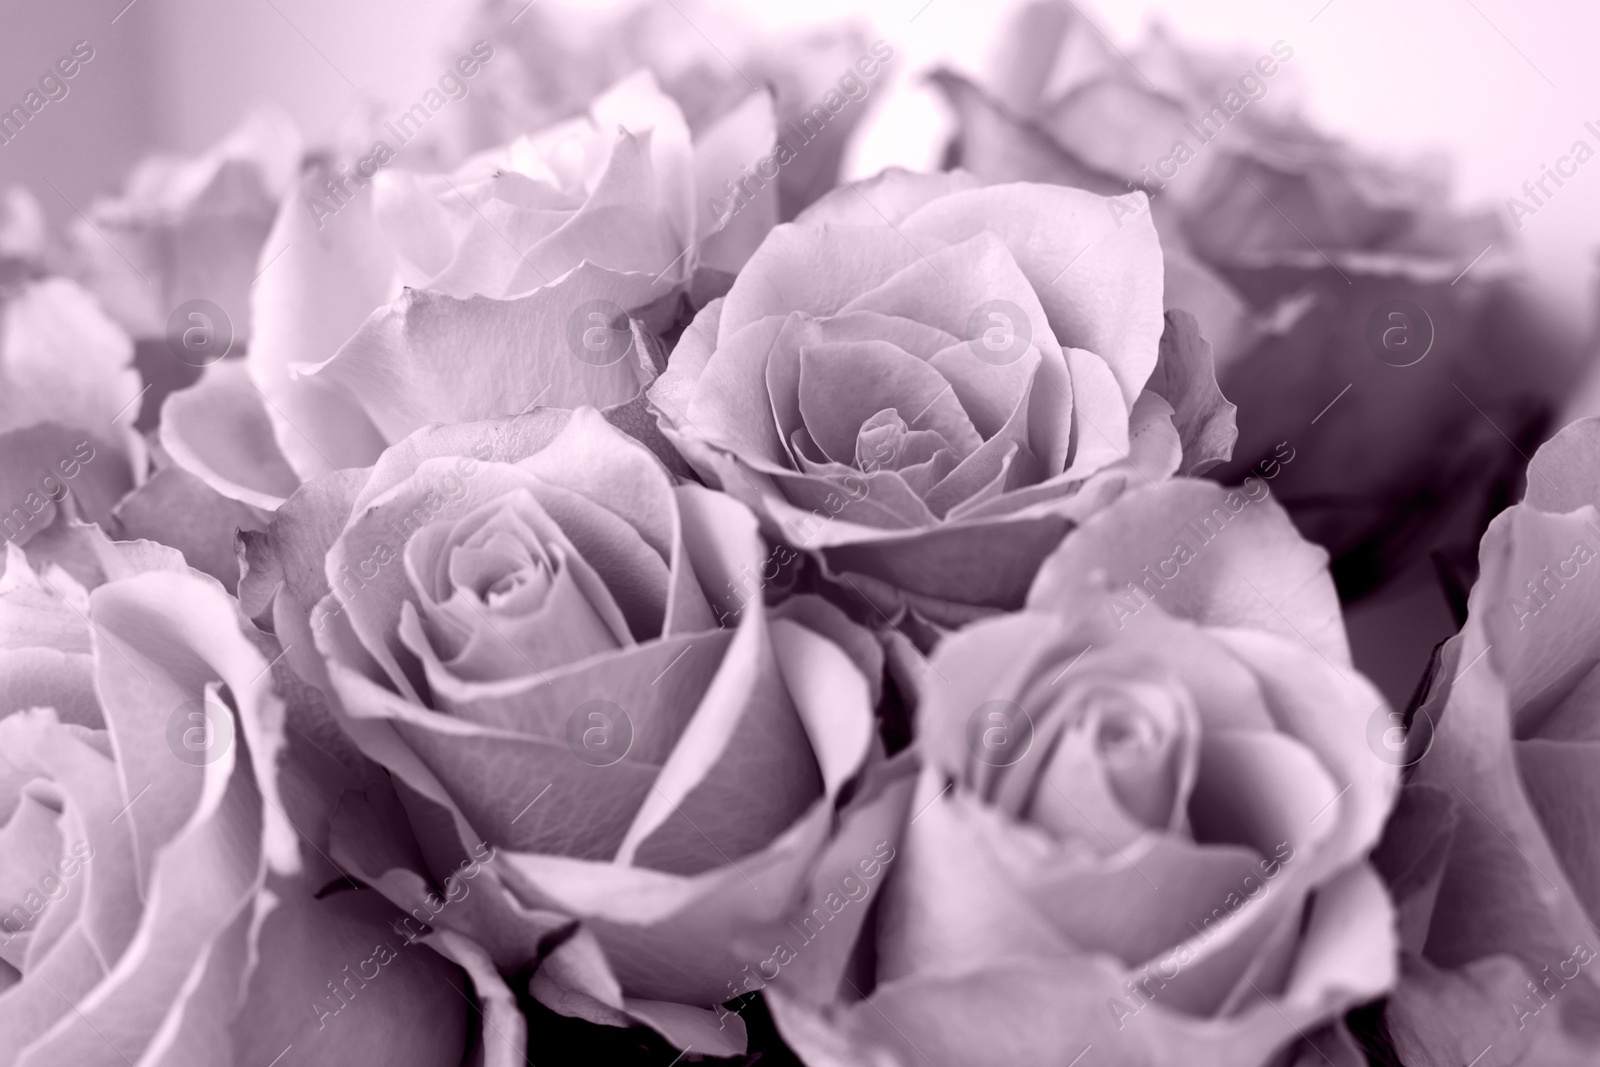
[(138, 918), (926, 381), (1143, 817), (1313, 265), (1492, 852), (519, 619), (188, 229), (532, 256), (170, 259), (69, 395), (557, 55)]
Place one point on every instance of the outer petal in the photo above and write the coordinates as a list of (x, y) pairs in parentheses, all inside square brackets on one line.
[(1186, 377), (330, 277), (404, 363), (1241, 563), (735, 141), (62, 359), (340, 984), (221, 431), (1108, 301)]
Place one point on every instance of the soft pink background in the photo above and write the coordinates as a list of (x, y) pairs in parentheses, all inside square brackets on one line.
[(1426, 74)]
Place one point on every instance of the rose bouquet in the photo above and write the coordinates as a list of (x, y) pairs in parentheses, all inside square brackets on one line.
[(1353, 312), (555, 574)]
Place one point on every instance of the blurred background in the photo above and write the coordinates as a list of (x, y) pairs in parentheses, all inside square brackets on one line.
[(1503, 86), (1500, 88)]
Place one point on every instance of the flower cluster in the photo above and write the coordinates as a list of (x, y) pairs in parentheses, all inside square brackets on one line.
[(591, 584)]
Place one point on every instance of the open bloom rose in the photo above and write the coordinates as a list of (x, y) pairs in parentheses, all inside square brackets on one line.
[(1311, 265), (1144, 814), (68, 398), (137, 915), (1492, 852), (519, 620), (532, 256), (558, 55), (926, 381), (187, 229)]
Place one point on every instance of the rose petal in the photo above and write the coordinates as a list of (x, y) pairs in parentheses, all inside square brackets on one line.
[(402, 363), (998, 145), (162, 642), (1107, 302), (1184, 542), (744, 751), (35, 478), (887, 198), (843, 385), (1560, 780), (1185, 377), (176, 508), (730, 144), (65, 361), (219, 431), (330, 276), (219, 837), (1542, 645), (495, 776), (509, 251), (337, 981), (780, 277), (45, 677), (43, 609)]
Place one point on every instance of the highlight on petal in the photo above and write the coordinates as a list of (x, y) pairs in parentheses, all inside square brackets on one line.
[(220, 430)]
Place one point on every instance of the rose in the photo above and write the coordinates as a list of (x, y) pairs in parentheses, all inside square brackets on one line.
[(926, 382), (518, 620), (186, 229), (68, 398), (173, 255), (137, 915), (171, 259), (559, 57), (534, 256), (1311, 265), (1491, 852), (1144, 814)]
